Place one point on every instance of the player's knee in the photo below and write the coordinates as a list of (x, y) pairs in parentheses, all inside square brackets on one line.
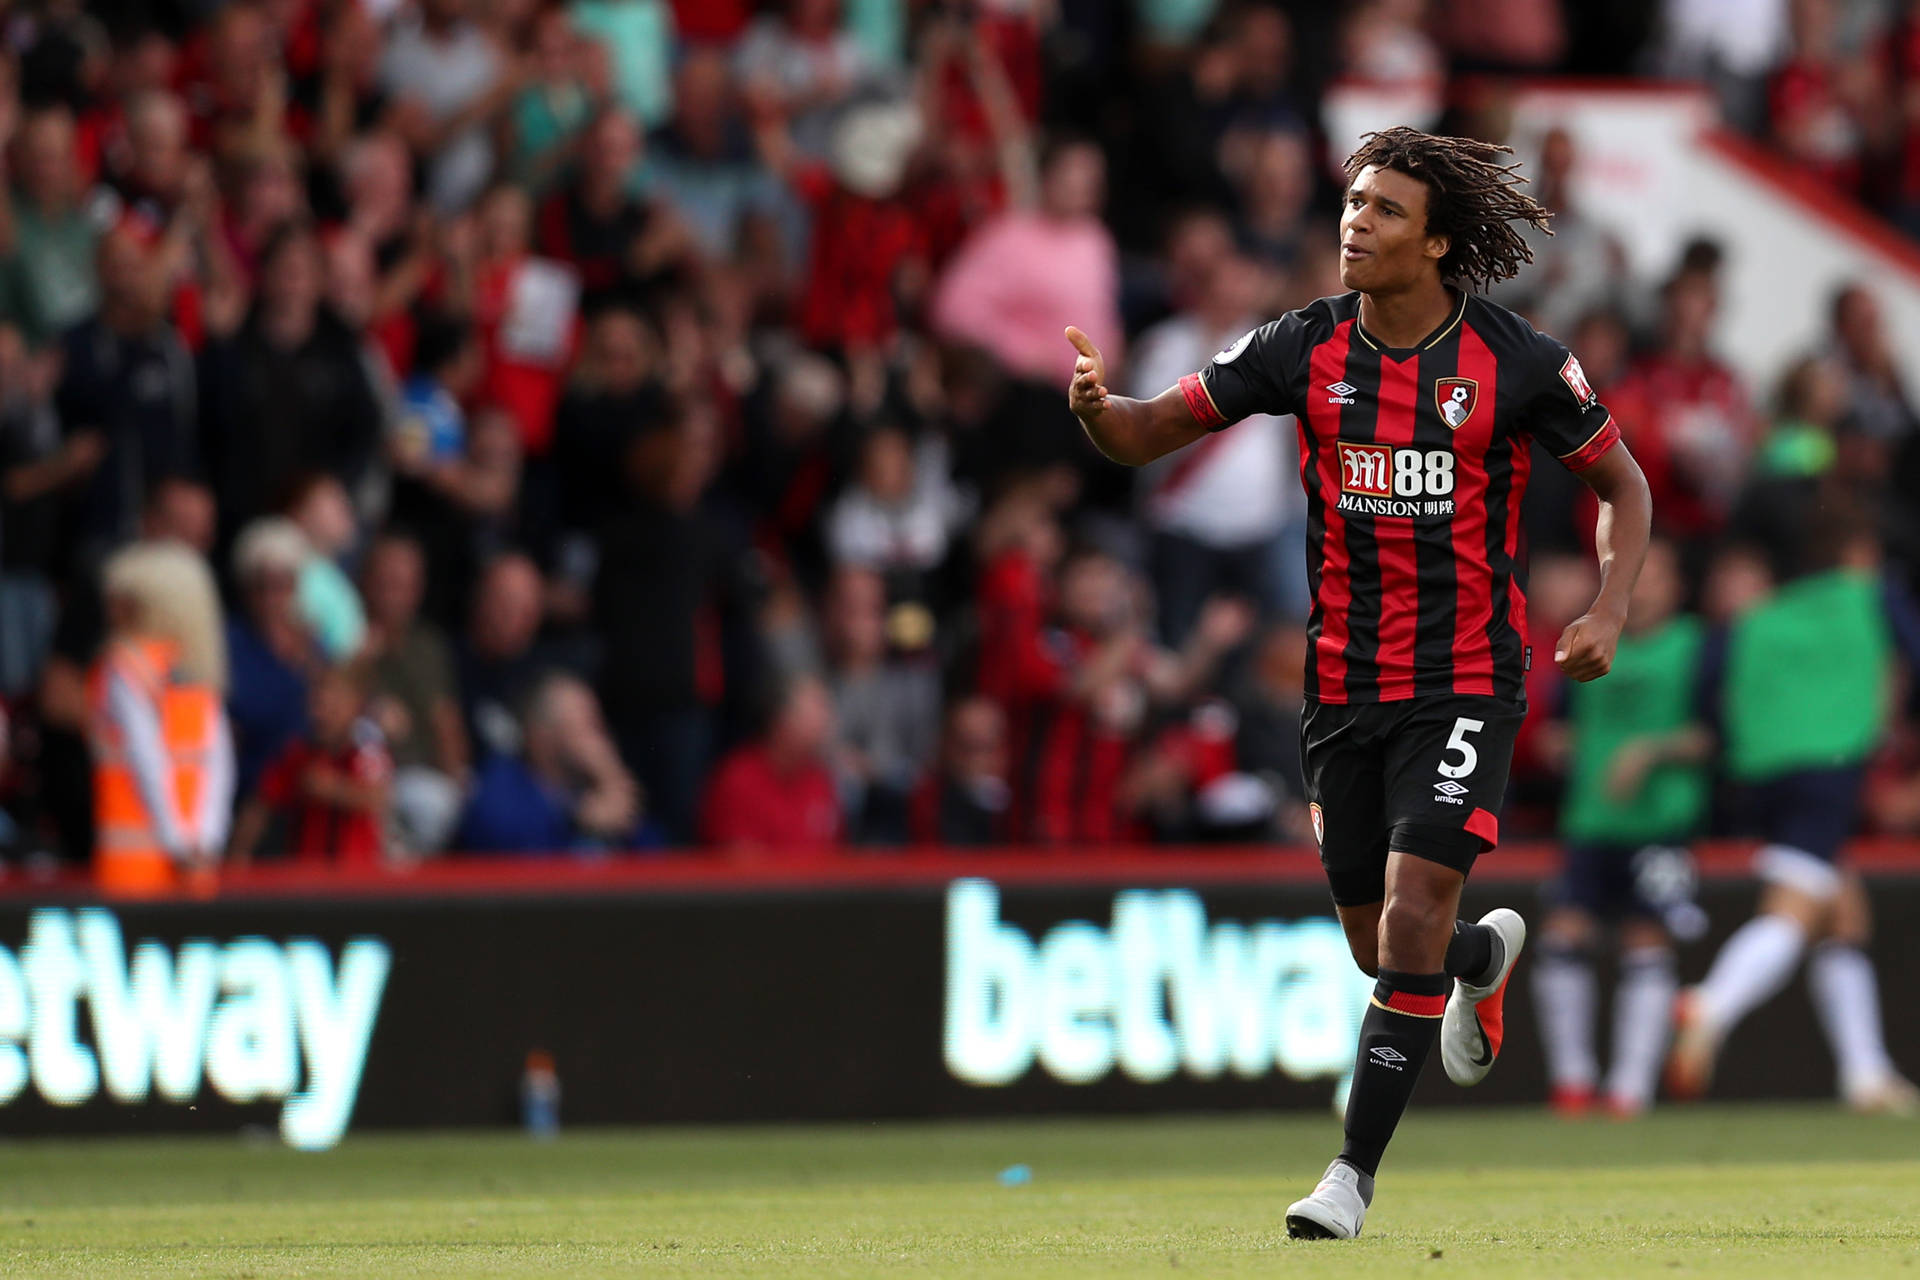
[(1413, 916), (1813, 914), (1849, 932), (1852, 922), (1568, 927), (1643, 935), (1361, 926)]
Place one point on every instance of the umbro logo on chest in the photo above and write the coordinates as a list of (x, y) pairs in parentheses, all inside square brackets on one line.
[(1342, 393)]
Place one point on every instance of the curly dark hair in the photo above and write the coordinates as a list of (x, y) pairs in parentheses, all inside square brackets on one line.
[(1472, 198)]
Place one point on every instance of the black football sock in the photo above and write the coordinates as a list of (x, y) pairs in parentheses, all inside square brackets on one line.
[(1475, 954), (1395, 1036)]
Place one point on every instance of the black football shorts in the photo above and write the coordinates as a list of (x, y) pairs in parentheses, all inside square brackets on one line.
[(1812, 810), (1425, 776)]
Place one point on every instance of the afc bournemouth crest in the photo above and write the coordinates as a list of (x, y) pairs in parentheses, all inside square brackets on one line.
[(1319, 823), (1456, 398)]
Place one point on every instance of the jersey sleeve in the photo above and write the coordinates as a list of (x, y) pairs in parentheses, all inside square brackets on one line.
[(1254, 375), (1563, 413)]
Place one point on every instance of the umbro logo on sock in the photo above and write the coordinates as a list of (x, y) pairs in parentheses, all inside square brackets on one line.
[(1385, 1055)]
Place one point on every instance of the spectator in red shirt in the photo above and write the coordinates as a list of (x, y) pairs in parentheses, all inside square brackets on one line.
[(1019, 545), (1692, 427), (1824, 103), (1095, 680), (527, 311), (235, 91), (332, 786), (776, 793), (1899, 54)]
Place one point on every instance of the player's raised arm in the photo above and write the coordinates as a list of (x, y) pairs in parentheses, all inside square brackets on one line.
[(1586, 647), (1132, 432)]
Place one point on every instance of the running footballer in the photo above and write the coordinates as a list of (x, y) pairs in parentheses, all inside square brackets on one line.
[(1416, 401)]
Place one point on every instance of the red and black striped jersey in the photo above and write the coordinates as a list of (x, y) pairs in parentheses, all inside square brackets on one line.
[(1414, 462)]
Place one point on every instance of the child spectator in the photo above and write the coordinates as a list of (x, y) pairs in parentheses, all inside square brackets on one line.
[(332, 786)]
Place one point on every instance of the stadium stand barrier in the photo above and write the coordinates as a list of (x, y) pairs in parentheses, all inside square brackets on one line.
[(681, 989)]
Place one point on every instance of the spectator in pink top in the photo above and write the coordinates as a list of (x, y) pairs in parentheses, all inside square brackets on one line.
[(1025, 275)]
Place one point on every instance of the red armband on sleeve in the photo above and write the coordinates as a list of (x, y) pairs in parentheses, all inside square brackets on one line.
[(1200, 402), (1598, 443)]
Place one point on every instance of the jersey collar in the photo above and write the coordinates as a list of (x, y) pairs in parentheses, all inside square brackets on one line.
[(1427, 343)]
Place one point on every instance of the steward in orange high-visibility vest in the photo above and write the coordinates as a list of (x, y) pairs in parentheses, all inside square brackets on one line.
[(163, 756)]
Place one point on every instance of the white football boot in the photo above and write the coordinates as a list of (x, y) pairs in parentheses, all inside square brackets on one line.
[(1475, 1021), (1891, 1094), (1337, 1207)]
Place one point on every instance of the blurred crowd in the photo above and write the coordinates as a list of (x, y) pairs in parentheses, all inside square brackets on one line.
[(610, 424)]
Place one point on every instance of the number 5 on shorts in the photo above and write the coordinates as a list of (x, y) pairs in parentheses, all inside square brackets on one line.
[(1458, 742)]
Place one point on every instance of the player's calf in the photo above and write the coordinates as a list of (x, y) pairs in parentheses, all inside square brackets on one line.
[(1642, 1017), (1396, 1036), (1565, 993)]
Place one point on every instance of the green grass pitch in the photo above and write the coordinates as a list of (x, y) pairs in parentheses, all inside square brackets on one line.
[(1798, 1192)]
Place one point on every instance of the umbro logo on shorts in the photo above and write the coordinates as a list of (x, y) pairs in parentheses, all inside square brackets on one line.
[(1450, 792)]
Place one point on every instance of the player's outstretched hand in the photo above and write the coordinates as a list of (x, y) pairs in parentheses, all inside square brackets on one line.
[(1585, 649), (1087, 393)]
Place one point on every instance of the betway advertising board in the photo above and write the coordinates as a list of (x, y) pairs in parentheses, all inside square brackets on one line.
[(313, 1016), (246, 1021)]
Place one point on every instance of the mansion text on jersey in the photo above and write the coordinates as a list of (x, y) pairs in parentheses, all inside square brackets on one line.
[(1362, 504)]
